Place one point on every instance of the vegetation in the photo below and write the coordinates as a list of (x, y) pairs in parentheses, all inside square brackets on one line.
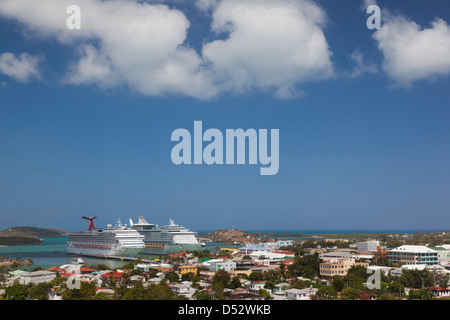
[(16, 241)]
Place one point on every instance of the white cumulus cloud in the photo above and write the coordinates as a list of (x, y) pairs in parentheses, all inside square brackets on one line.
[(270, 45), (22, 67), (411, 52), (265, 45), (140, 45)]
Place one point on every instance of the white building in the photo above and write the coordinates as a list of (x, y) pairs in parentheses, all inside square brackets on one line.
[(249, 249), (367, 246), (54, 295), (267, 255), (183, 289), (300, 294), (409, 254), (37, 277), (227, 265), (443, 252), (284, 243)]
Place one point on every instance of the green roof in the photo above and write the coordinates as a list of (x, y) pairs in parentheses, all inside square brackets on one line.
[(204, 260), (438, 248), (18, 273)]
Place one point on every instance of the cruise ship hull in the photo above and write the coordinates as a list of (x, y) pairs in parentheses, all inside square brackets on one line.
[(167, 239), (119, 252), (119, 241)]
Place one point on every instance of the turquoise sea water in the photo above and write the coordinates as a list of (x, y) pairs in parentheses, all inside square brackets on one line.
[(52, 252)]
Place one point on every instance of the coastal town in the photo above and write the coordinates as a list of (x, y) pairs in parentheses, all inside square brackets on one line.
[(392, 267)]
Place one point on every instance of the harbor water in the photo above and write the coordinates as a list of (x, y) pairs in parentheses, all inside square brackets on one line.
[(52, 252)]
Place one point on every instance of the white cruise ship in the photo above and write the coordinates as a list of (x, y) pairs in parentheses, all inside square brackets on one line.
[(118, 241), (164, 240)]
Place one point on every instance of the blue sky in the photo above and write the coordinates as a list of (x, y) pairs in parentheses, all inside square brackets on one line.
[(86, 115)]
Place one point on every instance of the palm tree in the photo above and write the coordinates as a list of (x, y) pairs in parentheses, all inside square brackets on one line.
[(283, 272)]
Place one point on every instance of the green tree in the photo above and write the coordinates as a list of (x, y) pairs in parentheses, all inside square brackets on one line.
[(338, 283), (421, 294), (102, 296), (350, 294), (306, 266), (221, 277), (172, 277), (359, 271), (40, 291), (264, 293), (136, 294), (256, 276), (201, 295), (270, 284), (16, 292), (387, 296), (325, 293), (235, 283), (161, 292), (417, 279)]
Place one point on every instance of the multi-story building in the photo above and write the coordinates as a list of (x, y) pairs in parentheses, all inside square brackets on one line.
[(338, 267), (367, 246), (382, 252), (37, 277), (408, 254), (443, 252), (227, 265), (249, 249), (187, 269)]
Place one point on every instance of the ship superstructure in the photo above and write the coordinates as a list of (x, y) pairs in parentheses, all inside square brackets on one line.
[(171, 238), (118, 241)]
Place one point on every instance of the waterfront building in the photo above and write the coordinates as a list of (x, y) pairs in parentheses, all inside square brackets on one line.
[(411, 255), (37, 277)]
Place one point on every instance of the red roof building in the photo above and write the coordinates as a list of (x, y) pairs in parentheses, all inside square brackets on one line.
[(113, 274), (440, 292), (55, 268)]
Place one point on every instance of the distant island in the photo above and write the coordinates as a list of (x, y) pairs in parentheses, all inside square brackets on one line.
[(27, 235)]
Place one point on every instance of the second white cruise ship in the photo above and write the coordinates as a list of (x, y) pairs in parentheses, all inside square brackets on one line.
[(164, 240), (118, 241)]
